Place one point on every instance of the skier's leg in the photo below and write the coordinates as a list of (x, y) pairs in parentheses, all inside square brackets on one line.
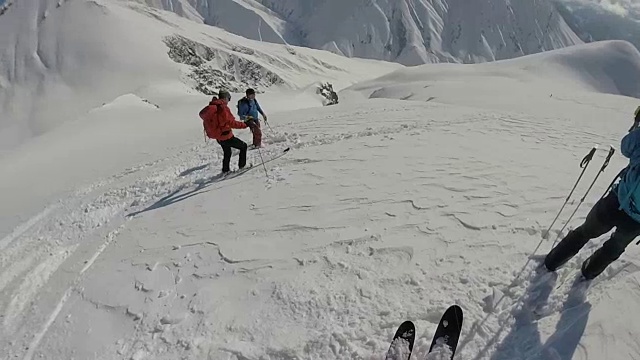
[(626, 231), (597, 223), (257, 134), (236, 143), (226, 150)]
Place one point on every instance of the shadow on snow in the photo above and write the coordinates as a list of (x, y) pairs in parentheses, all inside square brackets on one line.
[(178, 195), (524, 342)]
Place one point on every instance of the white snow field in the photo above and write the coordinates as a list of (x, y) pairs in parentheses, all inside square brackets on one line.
[(84, 54), (425, 187)]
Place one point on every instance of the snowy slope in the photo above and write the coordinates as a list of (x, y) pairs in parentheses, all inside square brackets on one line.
[(609, 67), (406, 197), (60, 59), (407, 31)]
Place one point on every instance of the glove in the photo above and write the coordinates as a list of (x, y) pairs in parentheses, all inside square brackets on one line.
[(251, 122), (264, 117)]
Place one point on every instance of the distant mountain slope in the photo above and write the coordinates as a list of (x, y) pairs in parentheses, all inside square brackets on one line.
[(603, 20), (410, 32)]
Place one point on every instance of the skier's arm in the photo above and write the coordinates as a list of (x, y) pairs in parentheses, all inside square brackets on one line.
[(233, 123), (237, 124), (259, 109)]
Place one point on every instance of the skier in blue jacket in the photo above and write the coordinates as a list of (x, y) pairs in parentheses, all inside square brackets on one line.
[(248, 110), (619, 209)]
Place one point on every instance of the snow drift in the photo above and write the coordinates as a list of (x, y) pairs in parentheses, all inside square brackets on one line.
[(609, 67), (59, 59)]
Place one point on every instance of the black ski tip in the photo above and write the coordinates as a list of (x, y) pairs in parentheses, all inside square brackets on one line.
[(287, 149), (407, 332), (449, 328)]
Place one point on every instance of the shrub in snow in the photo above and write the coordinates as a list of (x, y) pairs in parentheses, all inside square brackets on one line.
[(212, 68), (326, 91)]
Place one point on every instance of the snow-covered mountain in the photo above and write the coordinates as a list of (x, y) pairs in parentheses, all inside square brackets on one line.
[(423, 187), (410, 32), (428, 186), (595, 20), (59, 59), (415, 32)]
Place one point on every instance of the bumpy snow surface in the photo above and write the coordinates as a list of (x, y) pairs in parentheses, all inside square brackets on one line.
[(119, 240)]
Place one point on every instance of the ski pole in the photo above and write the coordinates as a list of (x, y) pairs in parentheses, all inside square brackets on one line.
[(263, 165), (604, 165), (612, 182), (270, 128), (583, 164)]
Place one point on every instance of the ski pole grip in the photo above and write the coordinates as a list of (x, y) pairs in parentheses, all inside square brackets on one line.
[(612, 150), (588, 157)]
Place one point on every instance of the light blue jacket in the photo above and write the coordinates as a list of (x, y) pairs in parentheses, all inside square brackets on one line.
[(628, 188), (248, 107)]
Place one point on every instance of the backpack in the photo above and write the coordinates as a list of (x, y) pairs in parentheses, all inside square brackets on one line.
[(242, 100), (210, 121)]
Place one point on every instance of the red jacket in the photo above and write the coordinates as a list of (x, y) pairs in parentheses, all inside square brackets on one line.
[(218, 121)]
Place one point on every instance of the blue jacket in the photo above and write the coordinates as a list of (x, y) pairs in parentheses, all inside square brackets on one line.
[(628, 188), (248, 107)]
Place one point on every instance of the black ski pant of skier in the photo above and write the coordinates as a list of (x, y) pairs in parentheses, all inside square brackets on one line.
[(604, 216), (234, 143)]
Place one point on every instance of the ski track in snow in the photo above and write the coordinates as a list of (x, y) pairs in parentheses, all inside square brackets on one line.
[(345, 284)]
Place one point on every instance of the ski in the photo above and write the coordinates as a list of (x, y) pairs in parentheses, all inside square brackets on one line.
[(402, 343), (445, 340), (255, 165), (236, 173)]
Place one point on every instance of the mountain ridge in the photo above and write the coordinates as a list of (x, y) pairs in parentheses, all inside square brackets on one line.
[(409, 32)]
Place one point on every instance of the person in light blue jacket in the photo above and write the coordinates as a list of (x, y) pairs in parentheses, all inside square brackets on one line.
[(620, 208), (248, 110)]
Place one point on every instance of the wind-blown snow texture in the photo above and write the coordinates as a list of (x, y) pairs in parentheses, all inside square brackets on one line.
[(407, 31), (416, 191)]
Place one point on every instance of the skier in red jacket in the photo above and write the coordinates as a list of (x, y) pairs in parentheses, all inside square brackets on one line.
[(218, 122)]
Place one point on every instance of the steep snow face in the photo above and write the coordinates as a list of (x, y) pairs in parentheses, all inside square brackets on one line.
[(408, 31), (61, 58)]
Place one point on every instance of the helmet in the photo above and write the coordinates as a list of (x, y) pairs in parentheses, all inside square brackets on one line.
[(224, 94), (250, 91)]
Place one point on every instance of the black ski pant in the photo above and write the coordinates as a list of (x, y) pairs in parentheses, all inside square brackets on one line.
[(604, 216), (234, 143)]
